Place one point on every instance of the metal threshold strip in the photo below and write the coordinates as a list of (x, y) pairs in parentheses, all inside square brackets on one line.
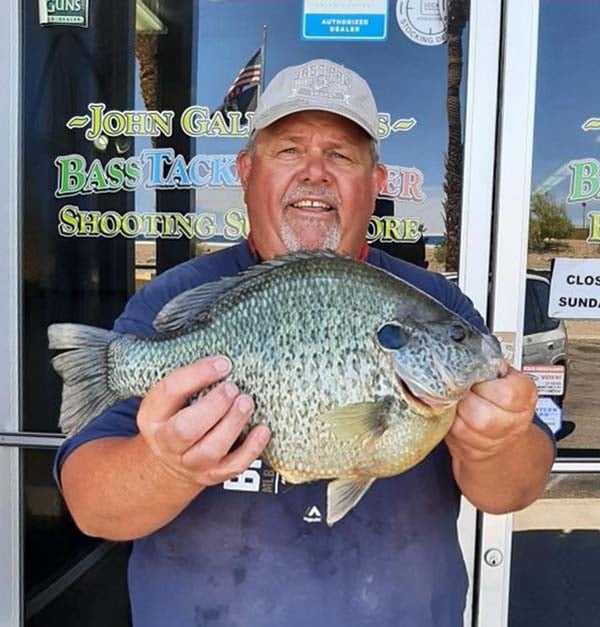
[(32, 440)]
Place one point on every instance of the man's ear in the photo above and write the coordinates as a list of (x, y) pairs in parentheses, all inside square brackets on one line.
[(379, 179), (243, 163)]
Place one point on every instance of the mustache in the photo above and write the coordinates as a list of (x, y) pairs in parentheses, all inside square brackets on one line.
[(313, 192)]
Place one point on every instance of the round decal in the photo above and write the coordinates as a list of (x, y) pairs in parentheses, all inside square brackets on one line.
[(423, 21)]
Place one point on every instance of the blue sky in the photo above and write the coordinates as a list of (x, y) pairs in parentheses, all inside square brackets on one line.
[(568, 92)]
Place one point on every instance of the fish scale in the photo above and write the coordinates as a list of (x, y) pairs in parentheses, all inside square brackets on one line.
[(304, 334)]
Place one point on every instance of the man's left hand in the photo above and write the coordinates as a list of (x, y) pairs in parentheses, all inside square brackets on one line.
[(492, 417)]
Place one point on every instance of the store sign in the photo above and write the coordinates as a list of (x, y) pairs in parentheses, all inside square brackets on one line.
[(550, 413), (575, 289), (64, 12), (549, 380), (164, 169), (349, 20)]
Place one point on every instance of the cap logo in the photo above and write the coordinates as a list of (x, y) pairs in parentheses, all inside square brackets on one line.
[(320, 80)]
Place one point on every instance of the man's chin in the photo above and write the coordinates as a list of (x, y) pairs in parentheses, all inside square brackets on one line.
[(310, 237)]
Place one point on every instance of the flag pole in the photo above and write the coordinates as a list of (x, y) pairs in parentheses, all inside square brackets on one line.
[(263, 55)]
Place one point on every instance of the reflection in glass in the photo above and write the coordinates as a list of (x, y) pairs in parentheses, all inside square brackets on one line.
[(69, 579), (565, 205), (555, 571)]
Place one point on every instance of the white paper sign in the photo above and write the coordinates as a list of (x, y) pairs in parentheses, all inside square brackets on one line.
[(550, 413), (549, 380), (575, 289)]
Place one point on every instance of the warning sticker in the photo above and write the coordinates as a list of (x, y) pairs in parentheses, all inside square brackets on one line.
[(549, 380)]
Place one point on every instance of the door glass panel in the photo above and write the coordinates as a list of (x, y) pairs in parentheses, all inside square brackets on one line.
[(67, 576), (561, 346), (555, 574)]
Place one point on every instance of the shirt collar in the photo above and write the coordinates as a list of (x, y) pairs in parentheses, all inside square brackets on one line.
[(362, 253)]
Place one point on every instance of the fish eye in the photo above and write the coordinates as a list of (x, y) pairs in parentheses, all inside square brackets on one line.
[(392, 337), (458, 333)]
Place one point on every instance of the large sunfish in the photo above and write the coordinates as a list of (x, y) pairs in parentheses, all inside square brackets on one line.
[(356, 372)]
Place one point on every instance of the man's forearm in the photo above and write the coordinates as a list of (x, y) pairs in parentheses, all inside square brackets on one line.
[(116, 489), (511, 479)]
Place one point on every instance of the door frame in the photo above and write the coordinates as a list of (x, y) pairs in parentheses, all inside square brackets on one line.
[(483, 63), (10, 126)]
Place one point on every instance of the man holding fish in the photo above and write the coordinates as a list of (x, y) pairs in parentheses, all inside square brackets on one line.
[(343, 372)]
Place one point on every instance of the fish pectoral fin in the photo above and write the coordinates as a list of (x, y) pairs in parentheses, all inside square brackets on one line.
[(366, 420), (343, 495)]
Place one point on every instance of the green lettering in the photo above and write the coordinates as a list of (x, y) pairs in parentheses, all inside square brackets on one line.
[(133, 172), (235, 225), (96, 179), (390, 230), (115, 174), (71, 174), (594, 236), (585, 183), (374, 229), (183, 226), (110, 223), (131, 224), (205, 226), (153, 220), (67, 220)]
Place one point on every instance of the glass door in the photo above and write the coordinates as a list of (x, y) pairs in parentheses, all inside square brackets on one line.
[(125, 118), (537, 567)]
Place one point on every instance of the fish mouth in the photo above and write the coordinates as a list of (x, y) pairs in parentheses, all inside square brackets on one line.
[(422, 402)]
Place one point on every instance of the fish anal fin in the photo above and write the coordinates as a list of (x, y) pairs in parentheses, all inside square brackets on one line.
[(343, 495)]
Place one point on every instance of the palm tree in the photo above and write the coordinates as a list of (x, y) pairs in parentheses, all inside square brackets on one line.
[(458, 11)]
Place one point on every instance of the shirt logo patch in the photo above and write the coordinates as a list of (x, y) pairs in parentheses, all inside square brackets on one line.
[(312, 515), (257, 478)]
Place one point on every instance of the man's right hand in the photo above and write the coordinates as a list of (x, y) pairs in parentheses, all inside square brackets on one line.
[(193, 442), (122, 488)]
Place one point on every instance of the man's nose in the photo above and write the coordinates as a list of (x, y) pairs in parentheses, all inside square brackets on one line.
[(315, 170)]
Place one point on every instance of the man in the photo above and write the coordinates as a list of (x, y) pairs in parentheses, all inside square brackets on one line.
[(212, 550)]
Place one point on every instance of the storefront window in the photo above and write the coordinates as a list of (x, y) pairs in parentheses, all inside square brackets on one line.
[(133, 113), (561, 341)]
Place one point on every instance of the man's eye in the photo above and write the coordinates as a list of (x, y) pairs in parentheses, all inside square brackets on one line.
[(339, 155), (292, 150)]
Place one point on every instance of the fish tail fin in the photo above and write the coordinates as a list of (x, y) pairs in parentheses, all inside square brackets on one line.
[(84, 370)]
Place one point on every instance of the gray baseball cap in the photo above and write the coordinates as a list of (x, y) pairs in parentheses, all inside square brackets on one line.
[(318, 85)]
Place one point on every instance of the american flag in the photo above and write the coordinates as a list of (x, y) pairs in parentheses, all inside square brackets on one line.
[(243, 93)]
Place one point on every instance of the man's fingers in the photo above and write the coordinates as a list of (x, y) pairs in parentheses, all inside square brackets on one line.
[(515, 393), (240, 459), (191, 423), (216, 443), (168, 396)]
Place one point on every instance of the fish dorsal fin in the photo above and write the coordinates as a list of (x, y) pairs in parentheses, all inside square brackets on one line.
[(194, 306), (343, 495), (368, 421)]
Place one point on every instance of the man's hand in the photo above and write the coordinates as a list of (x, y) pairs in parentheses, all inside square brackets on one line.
[(193, 442), (492, 417), (500, 458), (122, 488)]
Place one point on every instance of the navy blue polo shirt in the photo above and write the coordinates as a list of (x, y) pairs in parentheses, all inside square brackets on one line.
[(256, 552)]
